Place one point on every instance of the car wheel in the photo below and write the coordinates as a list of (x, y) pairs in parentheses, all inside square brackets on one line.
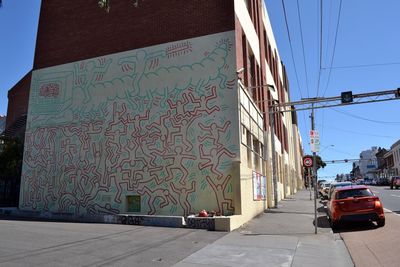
[(381, 222)]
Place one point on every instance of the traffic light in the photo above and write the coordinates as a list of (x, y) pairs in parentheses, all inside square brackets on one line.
[(347, 97), (397, 93)]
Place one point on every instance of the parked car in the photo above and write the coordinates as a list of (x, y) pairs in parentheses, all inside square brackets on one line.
[(354, 203), (384, 181), (335, 185), (395, 182)]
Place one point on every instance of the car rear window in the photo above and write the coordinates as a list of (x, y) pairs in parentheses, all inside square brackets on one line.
[(354, 193)]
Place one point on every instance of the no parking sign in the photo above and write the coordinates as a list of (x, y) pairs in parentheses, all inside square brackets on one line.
[(307, 161)]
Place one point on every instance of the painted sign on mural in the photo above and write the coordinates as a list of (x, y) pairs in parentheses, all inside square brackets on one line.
[(159, 122)]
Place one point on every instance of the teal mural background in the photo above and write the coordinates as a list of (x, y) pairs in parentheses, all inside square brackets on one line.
[(159, 122)]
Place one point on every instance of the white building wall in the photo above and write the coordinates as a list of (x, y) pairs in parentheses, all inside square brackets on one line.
[(368, 163), (395, 149)]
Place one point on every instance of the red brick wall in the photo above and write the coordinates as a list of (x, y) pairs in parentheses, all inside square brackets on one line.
[(75, 30), (18, 98)]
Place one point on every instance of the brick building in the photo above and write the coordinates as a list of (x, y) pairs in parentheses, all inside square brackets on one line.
[(159, 109)]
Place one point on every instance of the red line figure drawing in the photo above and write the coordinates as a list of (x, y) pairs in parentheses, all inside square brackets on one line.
[(203, 102), (158, 143), (179, 106), (118, 183), (213, 159), (50, 90), (160, 193), (182, 128), (114, 131), (68, 200), (183, 194), (177, 164), (213, 132), (30, 190), (48, 191), (146, 175), (68, 151), (219, 191)]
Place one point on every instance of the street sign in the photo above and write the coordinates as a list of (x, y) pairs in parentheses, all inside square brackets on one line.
[(314, 141), (307, 161)]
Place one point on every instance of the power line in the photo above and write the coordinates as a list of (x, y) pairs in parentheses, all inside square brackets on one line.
[(291, 50), (304, 57), (320, 47), (366, 119), (334, 47), (302, 45), (361, 66), (360, 133), (291, 47)]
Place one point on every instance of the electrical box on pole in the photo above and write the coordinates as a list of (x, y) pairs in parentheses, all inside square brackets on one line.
[(397, 93), (347, 97)]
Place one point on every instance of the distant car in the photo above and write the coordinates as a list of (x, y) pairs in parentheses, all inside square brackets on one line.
[(324, 190), (354, 203), (333, 186), (395, 182), (359, 181), (367, 181), (383, 181), (320, 182)]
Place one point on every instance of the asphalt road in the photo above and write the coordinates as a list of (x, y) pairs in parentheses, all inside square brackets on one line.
[(372, 246), (389, 197), (33, 243)]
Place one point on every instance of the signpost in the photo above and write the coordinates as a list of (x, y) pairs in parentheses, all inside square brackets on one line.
[(308, 163)]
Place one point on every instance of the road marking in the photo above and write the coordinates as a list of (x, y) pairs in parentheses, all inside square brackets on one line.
[(390, 211), (375, 191), (394, 196)]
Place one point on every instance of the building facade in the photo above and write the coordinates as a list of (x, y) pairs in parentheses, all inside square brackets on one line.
[(368, 163), (159, 109), (393, 159)]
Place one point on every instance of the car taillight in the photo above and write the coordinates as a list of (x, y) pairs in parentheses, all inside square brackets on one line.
[(378, 204), (336, 204)]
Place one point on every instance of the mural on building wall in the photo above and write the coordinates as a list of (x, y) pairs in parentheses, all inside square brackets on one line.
[(153, 130)]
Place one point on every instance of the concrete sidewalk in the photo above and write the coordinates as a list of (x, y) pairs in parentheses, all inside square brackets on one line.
[(279, 237)]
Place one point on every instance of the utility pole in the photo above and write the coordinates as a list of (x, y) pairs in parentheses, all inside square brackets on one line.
[(274, 179), (314, 174)]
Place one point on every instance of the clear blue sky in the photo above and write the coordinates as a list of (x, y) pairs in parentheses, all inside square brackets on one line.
[(19, 21), (368, 33)]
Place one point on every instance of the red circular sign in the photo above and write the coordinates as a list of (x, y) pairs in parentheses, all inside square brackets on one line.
[(307, 162)]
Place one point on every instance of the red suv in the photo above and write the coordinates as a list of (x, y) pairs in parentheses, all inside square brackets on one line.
[(353, 204), (395, 182)]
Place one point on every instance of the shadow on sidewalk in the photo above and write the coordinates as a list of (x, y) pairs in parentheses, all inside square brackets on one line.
[(322, 222), (288, 212)]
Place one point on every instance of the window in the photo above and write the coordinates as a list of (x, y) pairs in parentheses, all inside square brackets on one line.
[(256, 154), (248, 143), (354, 193), (133, 203)]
